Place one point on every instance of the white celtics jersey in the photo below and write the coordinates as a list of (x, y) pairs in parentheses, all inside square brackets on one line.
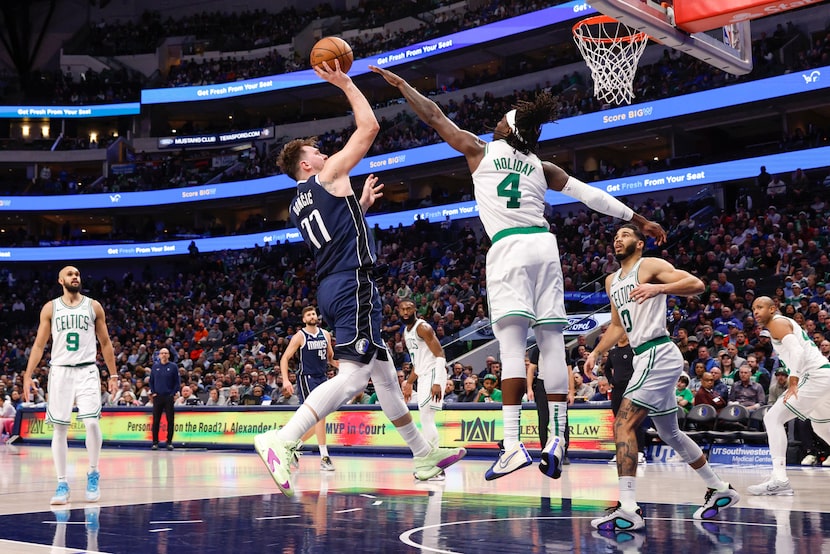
[(642, 322), (509, 189), (810, 356), (73, 333), (422, 357)]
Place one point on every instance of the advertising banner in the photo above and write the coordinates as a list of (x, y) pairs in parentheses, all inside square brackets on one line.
[(740, 454), (410, 54), (215, 139), (590, 429), (70, 112)]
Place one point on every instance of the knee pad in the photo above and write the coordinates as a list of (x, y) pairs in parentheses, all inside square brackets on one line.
[(91, 423), (553, 368), (390, 397), (511, 333), (60, 431), (355, 376), (670, 433)]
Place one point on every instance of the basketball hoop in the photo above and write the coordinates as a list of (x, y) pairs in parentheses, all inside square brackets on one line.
[(612, 51)]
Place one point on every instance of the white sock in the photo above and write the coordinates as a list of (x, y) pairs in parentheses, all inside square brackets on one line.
[(324, 450), (327, 398), (414, 439), (91, 540), (428, 427), (510, 418), (628, 493), (779, 468), (711, 479), (558, 418), (94, 440), (59, 540), (302, 420), (59, 449)]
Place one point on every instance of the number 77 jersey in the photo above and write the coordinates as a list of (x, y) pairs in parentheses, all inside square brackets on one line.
[(510, 189), (333, 227)]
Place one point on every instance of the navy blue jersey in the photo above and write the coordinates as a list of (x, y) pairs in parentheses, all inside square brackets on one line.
[(313, 354), (333, 227)]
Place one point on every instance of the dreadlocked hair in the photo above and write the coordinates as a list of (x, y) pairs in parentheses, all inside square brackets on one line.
[(530, 116)]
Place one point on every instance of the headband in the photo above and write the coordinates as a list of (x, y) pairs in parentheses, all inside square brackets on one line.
[(511, 122)]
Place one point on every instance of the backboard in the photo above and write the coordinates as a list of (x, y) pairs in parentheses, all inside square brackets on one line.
[(732, 55)]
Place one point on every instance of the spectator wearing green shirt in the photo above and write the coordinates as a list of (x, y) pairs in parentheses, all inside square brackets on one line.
[(685, 398), (489, 392)]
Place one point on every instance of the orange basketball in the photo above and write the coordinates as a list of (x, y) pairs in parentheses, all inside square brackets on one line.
[(328, 49)]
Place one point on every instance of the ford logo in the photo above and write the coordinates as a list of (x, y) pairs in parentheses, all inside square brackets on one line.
[(581, 324)]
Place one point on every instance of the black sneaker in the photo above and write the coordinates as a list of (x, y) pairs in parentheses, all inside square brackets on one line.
[(155, 446)]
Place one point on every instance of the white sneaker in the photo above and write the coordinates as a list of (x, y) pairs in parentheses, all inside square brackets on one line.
[(326, 464), (613, 460), (509, 461), (809, 460), (771, 487), (552, 454), (93, 491), (715, 501), (276, 454), (427, 467), (61, 494), (618, 519), (621, 541)]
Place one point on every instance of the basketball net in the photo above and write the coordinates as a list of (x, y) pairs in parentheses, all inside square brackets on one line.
[(612, 51)]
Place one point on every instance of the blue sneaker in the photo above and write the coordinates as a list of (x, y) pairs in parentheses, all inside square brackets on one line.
[(61, 516), (509, 461), (93, 494), (91, 518), (552, 454), (61, 494)]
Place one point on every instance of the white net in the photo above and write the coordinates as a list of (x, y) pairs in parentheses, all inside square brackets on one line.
[(612, 51)]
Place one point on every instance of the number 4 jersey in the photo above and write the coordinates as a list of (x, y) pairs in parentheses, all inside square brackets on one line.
[(73, 333), (333, 227), (510, 189)]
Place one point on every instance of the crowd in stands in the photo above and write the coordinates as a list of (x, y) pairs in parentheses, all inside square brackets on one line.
[(479, 113), (226, 32), (105, 87), (672, 75), (228, 317)]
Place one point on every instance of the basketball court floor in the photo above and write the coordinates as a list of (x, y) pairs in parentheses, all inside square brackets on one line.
[(224, 501)]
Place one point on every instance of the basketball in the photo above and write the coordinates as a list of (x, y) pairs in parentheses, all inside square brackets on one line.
[(328, 49)]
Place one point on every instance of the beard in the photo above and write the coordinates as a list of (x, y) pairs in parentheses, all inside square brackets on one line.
[(74, 289), (629, 250), (408, 320)]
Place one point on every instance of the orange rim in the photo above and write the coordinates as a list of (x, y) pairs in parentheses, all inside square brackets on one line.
[(602, 20)]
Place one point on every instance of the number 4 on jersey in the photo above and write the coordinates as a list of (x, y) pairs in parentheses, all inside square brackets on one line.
[(509, 188)]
